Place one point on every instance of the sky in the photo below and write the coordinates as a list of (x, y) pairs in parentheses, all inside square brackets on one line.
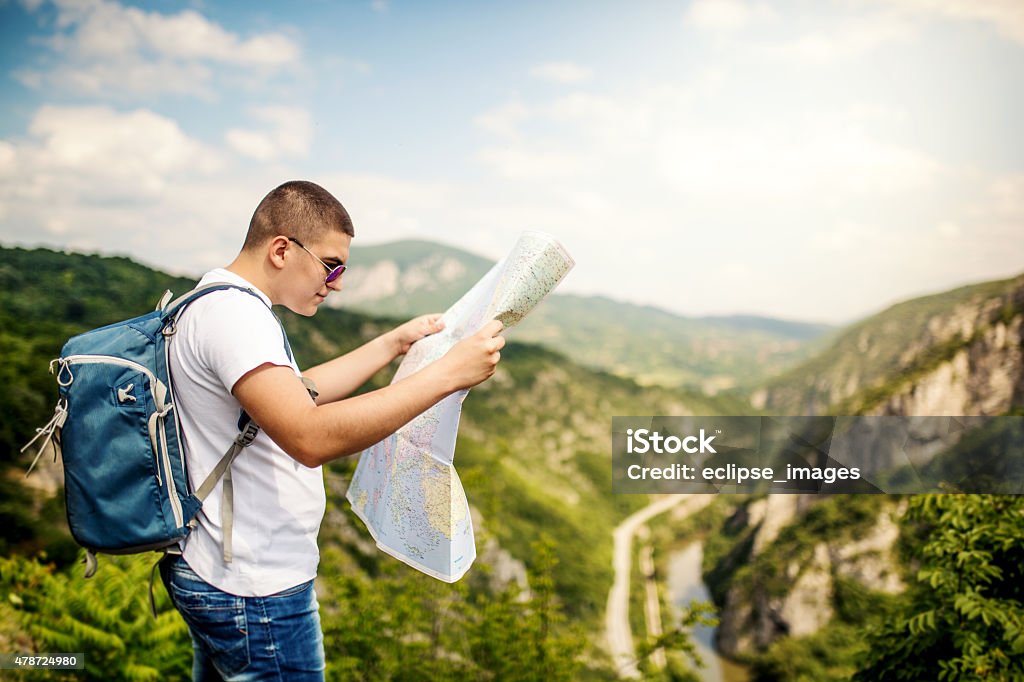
[(812, 160)]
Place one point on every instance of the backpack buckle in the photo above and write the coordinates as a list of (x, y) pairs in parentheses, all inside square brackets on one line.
[(248, 434)]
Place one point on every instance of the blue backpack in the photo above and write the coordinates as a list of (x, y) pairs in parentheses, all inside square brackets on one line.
[(126, 482)]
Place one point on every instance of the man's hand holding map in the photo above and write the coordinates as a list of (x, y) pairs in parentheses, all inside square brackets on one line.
[(405, 488)]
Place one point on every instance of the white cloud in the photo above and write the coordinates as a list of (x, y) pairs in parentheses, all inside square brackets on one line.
[(99, 28), (1006, 194), (103, 46), (671, 134), (133, 182), (138, 77), (503, 120), (385, 208), (1006, 16), (562, 72), (694, 167), (587, 202), (101, 141), (6, 157), (290, 133), (833, 43), (128, 182), (535, 163), (725, 15), (791, 161), (380, 5), (618, 124), (83, 158)]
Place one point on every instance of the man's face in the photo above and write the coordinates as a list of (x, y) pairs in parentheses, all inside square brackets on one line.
[(305, 288)]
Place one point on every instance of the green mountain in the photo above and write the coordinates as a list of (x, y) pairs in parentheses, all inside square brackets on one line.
[(408, 278), (955, 352), (647, 344), (823, 588), (532, 454)]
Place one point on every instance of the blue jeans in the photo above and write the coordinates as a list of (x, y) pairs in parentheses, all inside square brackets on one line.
[(277, 637)]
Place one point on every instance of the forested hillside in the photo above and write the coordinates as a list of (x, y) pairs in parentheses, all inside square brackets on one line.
[(809, 588)]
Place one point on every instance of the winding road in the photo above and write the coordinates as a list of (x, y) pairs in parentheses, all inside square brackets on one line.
[(616, 622)]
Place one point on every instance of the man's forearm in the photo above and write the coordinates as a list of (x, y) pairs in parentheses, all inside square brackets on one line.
[(314, 434), (350, 426), (340, 377)]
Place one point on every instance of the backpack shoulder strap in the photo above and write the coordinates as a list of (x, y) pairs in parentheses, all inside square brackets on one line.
[(248, 429), (171, 309), (174, 309)]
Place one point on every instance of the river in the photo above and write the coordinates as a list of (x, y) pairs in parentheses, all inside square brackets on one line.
[(684, 583)]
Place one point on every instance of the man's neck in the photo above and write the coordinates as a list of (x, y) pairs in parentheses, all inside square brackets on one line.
[(254, 272)]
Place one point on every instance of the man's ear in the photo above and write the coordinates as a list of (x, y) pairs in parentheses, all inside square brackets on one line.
[(276, 249)]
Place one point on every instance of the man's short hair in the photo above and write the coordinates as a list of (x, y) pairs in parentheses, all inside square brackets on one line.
[(300, 209)]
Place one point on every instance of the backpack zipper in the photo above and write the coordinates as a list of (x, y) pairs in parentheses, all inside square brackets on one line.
[(159, 393)]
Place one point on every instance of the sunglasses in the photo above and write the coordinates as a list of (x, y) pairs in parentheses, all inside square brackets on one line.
[(332, 273)]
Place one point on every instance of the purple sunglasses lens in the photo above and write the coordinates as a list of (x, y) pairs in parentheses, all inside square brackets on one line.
[(334, 274)]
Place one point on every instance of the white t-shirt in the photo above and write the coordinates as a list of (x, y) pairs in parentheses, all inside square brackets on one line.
[(278, 503)]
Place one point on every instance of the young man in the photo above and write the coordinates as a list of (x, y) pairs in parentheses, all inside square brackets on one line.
[(250, 605)]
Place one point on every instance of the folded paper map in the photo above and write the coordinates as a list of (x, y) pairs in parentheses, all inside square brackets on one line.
[(405, 488)]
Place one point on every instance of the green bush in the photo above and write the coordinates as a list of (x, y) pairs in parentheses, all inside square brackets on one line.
[(964, 617), (106, 617)]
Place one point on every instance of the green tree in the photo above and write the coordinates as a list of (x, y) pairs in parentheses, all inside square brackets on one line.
[(682, 657), (517, 638), (964, 618), (402, 625), (396, 625)]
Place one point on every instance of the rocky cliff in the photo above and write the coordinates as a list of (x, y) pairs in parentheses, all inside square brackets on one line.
[(789, 585), (957, 353)]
